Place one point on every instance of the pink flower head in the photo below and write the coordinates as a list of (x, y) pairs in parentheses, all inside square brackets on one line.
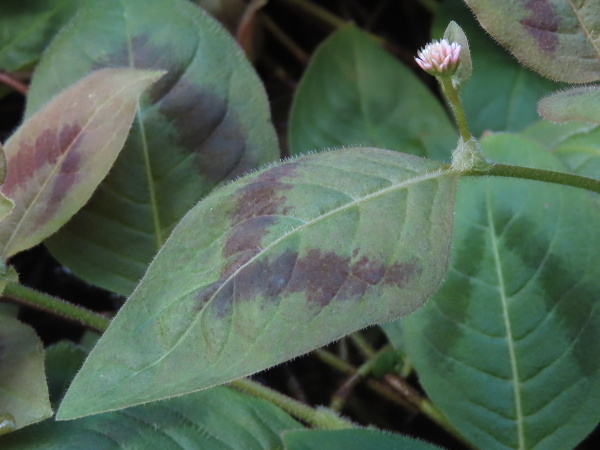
[(439, 58)]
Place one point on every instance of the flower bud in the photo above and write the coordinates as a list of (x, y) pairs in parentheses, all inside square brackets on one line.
[(439, 58)]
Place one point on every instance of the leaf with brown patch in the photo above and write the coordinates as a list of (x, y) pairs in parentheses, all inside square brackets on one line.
[(6, 204), (58, 156), (558, 39), (272, 266), (23, 391), (205, 122)]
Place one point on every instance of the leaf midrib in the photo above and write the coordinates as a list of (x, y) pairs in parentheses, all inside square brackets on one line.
[(507, 323)]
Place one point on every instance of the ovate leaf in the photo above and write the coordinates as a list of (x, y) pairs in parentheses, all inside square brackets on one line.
[(59, 155), (355, 93), (509, 348), (356, 439), (501, 94), (557, 38), (23, 391), (206, 121), (270, 267), (580, 103)]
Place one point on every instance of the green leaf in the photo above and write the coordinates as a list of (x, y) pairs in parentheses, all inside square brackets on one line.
[(580, 103), (26, 28), (23, 391), (509, 348), (581, 153), (501, 95), (454, 33), (206, 121), (552, 134), (270, 267), (59, 155), (557, 38), (355, 93), (213, 419), (351, 440)]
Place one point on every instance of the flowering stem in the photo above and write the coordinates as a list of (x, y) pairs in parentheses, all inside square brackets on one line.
[(34, 299), (451, 94)]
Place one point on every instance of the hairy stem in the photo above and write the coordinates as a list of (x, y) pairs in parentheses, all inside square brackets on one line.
[(34, 299), (529, 173), (320, 417)]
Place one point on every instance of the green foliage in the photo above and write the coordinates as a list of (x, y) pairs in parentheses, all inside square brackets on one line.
[(283, 261), (350, 440), (355, 93), (206, 121), (218, 418), (555, 38), (522, 286), (61, 153), (23, 390), (147, 163)]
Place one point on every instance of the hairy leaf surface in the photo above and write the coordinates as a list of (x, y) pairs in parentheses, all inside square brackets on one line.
[(509, 348), (580, 103), (270, 267), (355, 93), (558, 38), (357, 439), (59, 155), (206, 121), (501, 94), (23, 391), (219, 418)]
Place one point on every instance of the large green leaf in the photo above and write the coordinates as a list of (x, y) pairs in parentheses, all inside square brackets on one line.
[(557, 38), (509, 348), (59, 155), (351, 440), (501, 95), (206, 121), (355, 93), (270, 267), (27, 27), (218, 418), (23, 392)]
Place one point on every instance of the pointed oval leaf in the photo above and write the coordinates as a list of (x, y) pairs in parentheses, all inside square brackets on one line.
[(580, 103), (271, 267), (509, 348), (355, 93), (59, 155), (23, 391), (501, 94), (557, 38), (357, 439), (206, 121)]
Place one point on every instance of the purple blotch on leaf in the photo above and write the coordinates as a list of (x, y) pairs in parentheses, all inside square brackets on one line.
[(542, 24), (401, 274), (248, 235)]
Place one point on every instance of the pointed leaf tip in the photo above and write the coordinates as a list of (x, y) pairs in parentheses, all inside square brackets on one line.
[(59, 155)]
